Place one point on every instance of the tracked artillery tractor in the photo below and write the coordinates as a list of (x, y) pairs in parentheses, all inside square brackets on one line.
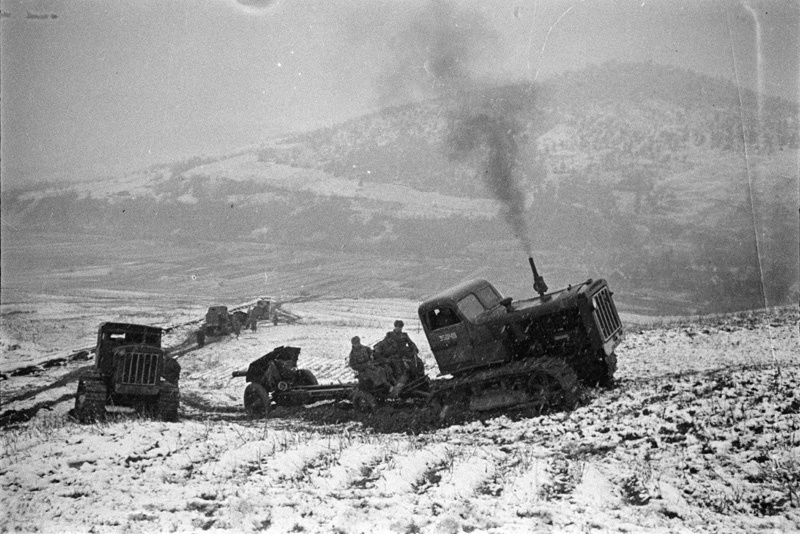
[(132, 373), (537, 352)]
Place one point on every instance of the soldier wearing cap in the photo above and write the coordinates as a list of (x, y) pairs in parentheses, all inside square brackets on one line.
[(368, 371), (396, 344), (360, 355), (398, 349)]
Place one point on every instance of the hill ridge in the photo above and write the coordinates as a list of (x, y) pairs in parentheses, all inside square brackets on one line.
[(618, 170)]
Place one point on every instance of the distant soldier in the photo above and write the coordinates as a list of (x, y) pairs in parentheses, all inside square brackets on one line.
[(237, 325), (252, 320), (201, 337)]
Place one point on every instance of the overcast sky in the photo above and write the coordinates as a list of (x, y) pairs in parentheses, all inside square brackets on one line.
[(98, 87)]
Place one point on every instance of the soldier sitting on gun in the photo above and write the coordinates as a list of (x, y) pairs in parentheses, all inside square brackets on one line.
[(369, 372), (398, 349)]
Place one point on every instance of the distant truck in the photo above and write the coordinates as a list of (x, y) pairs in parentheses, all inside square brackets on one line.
[(502, 353), (132, 372)]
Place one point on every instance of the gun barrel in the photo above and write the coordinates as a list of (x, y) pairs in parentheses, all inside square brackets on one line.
[(239, 373)]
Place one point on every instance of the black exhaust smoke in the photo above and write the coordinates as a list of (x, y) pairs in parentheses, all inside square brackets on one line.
[(439, 50), (485, 130)]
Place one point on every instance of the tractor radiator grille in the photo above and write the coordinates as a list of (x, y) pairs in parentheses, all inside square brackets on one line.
[(606, 314), (139, 368)]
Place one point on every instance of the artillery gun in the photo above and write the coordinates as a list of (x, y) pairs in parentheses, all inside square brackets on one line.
[(275, 378), (219, 321), (262, 309), (132, 373), (535, 352)]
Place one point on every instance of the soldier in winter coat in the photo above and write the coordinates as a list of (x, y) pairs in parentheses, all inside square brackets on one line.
[(401, 352), (252, 320), (369, 372), (237, 325)]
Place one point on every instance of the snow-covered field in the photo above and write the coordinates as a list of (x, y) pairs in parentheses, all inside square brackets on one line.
[(701, 434)]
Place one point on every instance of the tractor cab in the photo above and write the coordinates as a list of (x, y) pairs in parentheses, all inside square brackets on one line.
[(455, 323), (111, 336)]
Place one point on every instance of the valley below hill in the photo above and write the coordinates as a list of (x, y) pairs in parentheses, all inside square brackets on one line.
[(679, 189)]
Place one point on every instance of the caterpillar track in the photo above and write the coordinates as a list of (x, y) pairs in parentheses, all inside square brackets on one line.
[(90, 400), (544, 384)]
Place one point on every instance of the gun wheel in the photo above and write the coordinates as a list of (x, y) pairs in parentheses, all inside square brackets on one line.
[(257, 402), (306, 378)]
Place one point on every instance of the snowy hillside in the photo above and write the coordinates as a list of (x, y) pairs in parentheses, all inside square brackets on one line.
[(701, 434)]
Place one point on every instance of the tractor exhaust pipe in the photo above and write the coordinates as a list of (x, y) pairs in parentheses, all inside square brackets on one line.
[(538, 281)]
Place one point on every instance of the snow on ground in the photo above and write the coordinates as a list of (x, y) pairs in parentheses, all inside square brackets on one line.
[(701, 434)]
